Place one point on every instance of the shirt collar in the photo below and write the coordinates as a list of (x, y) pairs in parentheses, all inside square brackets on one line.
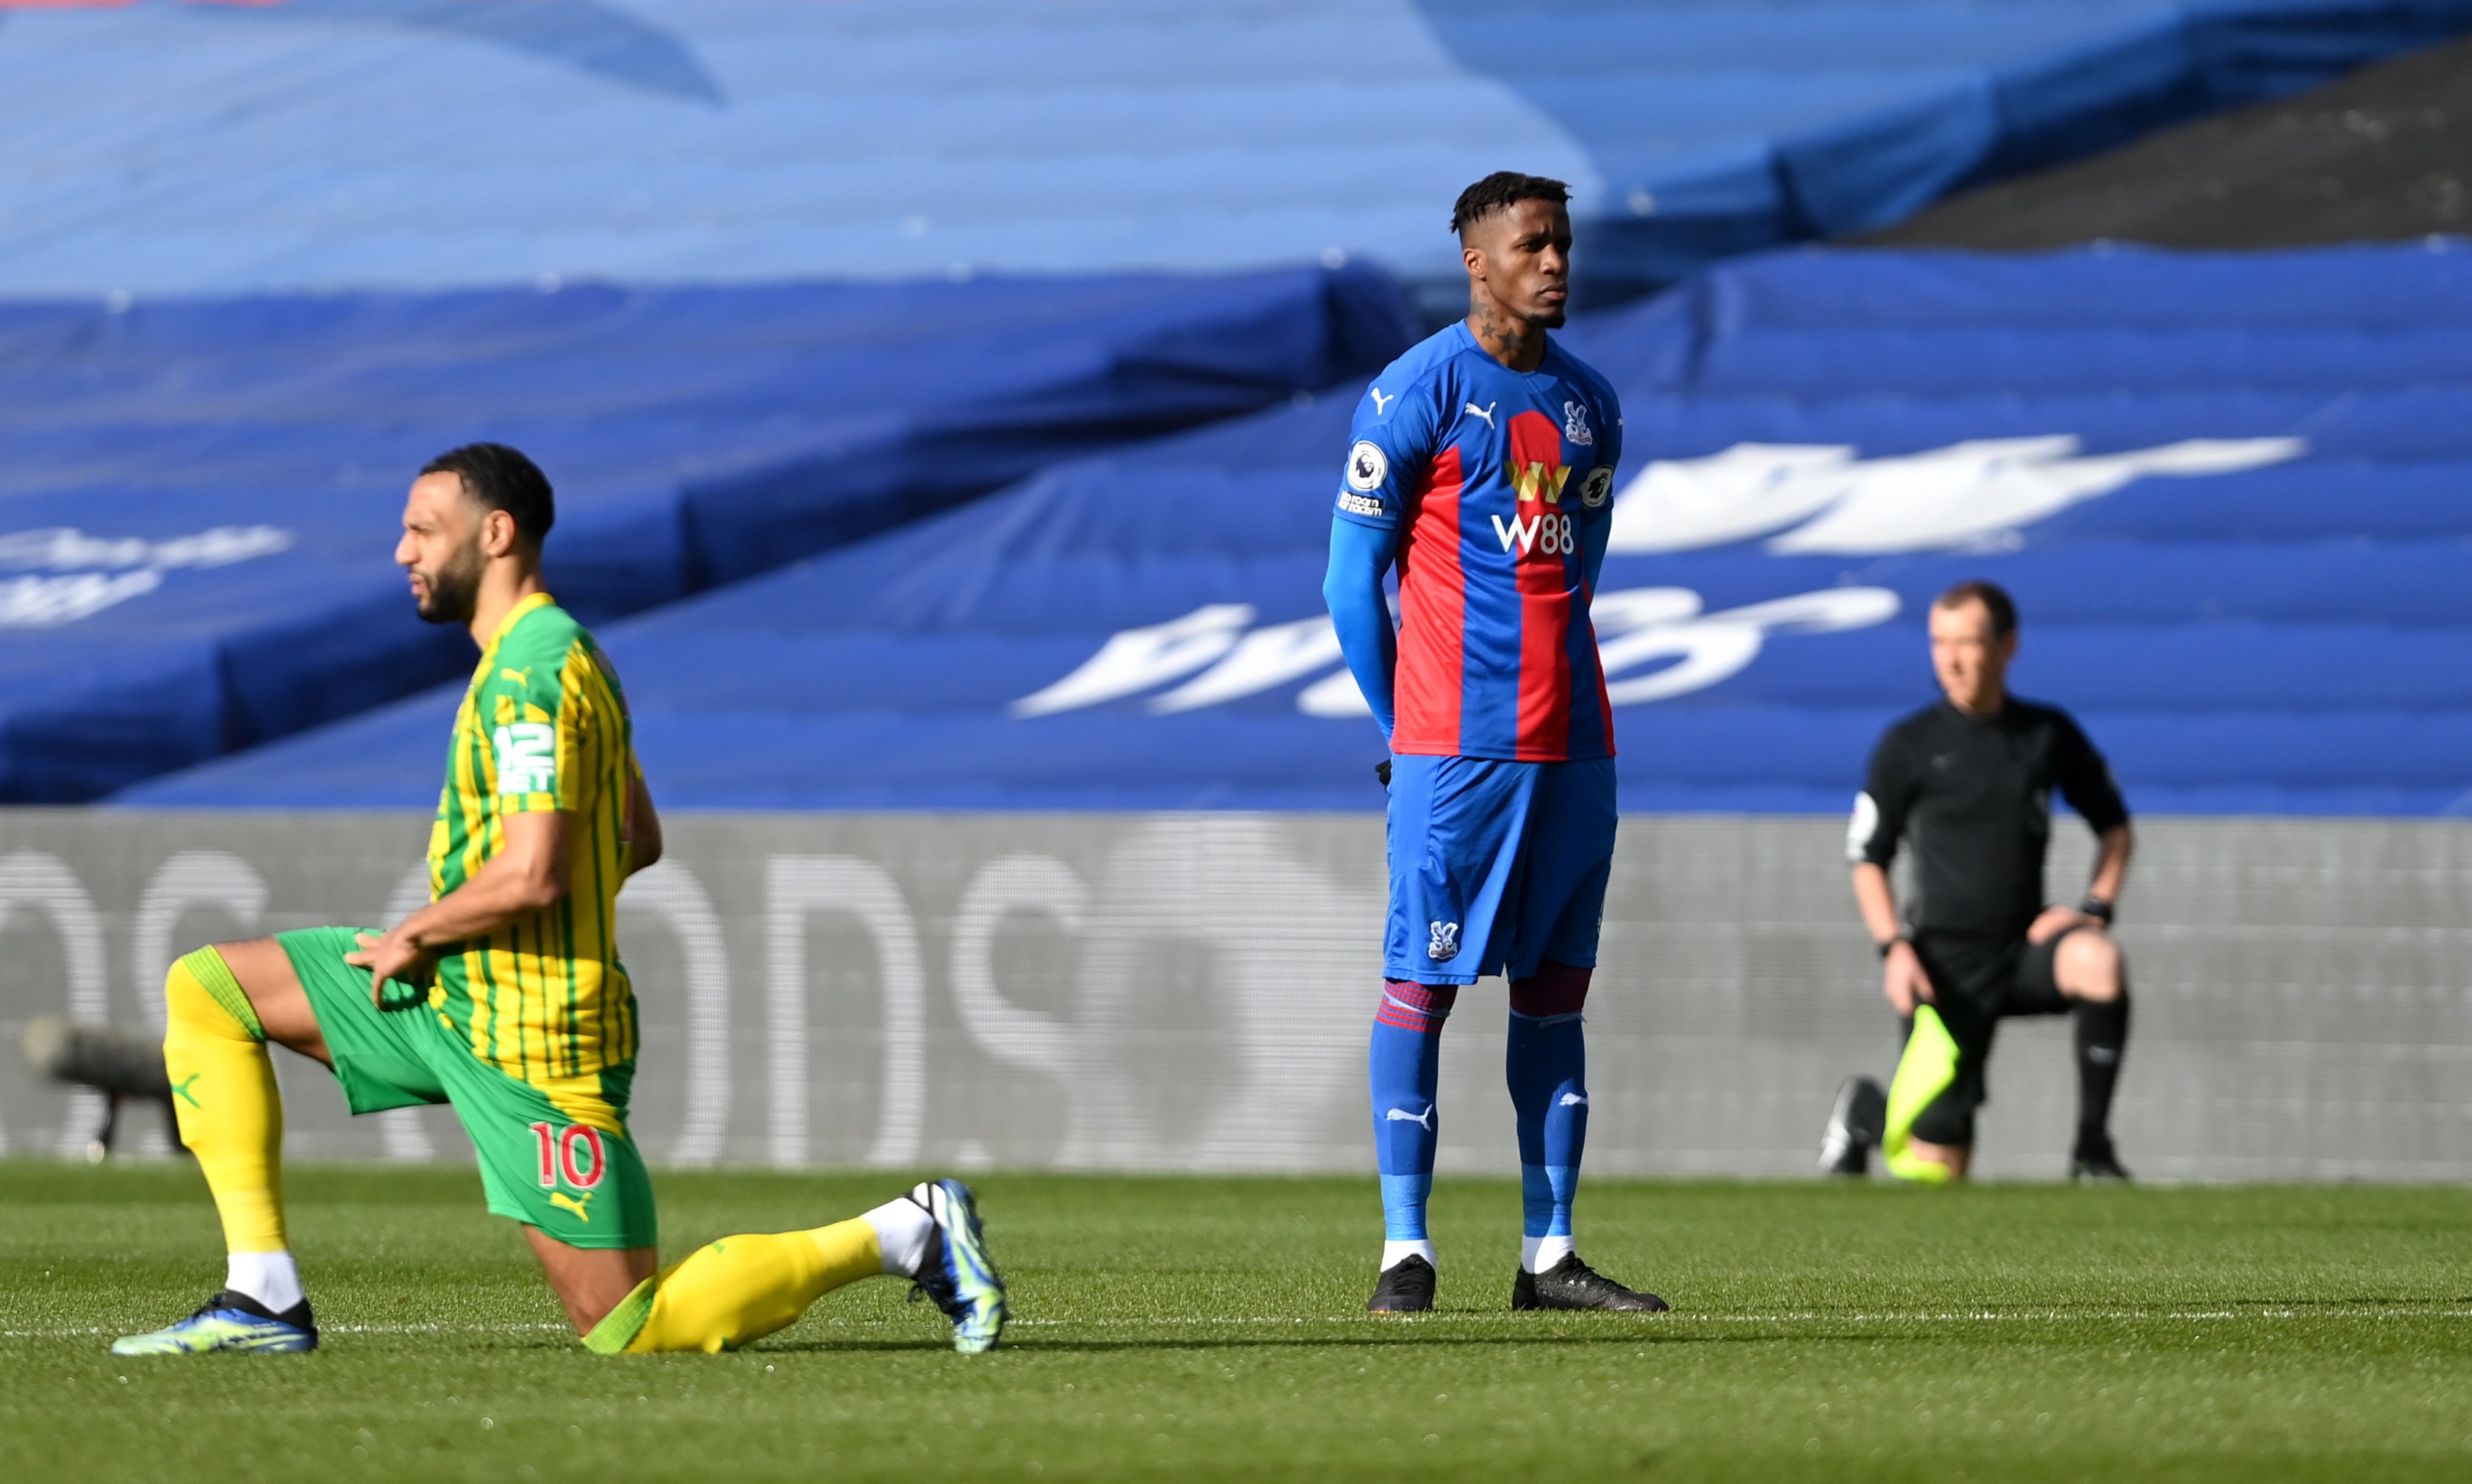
[(515, 616)]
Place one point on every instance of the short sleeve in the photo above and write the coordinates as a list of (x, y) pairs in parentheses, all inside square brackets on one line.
[(2084, 779), (522, 707), (1391, 442), (1880, 809), (545, 728)]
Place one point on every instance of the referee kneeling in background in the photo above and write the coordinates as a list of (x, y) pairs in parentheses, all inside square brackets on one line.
[(1968, 781)]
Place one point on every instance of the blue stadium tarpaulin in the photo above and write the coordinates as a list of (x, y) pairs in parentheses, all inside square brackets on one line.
[(2232, 493), (199, 498), (165, 147)]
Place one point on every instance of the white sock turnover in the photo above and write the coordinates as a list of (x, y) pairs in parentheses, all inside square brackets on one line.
[(1395, 1252), (901, 1229), (1537, 1254), (272, 1277)]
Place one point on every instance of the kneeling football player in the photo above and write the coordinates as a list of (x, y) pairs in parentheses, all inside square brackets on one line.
[(1968, 780), (505, 997)]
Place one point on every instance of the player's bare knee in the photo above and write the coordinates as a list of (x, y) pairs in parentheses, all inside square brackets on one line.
[(2090, 965), (589, 1282), (265, 973)]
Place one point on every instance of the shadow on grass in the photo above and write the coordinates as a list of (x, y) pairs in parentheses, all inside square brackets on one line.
[(1036, 1345)]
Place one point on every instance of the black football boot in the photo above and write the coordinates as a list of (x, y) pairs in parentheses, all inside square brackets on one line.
[(1405, 1287), (1572, 1283)]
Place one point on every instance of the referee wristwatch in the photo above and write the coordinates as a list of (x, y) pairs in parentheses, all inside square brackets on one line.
[(1890, 946), (2097, 908)]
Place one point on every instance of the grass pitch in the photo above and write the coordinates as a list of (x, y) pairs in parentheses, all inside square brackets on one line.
[(1214, 1329)]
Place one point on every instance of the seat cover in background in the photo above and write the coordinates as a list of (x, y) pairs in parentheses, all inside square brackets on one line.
[(2232, 494), (172, 146), (199, 498)]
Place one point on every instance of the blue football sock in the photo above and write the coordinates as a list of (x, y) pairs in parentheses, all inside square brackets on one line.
[(1547, 1066), (1404, 1067)]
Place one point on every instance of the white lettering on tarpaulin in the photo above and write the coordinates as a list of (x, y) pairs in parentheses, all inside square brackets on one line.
[(48, 603), (1635, 626), (190, 880), (1827, 499), (44, 881), (795, 888), (1277, 1080), (671, 892), (1009, 1033), (1137, 659), (90, 573), (1267, 657)]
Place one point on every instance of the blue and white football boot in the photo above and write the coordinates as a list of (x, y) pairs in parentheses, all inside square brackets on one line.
[(956, 1272), (229, 1321)]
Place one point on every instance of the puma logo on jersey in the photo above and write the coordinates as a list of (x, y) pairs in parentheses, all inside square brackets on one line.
[(1573, 1100), (1486, 412), (1381, 403), (1423, 1121), (573, 1203)]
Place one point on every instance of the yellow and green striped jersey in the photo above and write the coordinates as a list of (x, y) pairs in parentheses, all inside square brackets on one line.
[(544, 727)]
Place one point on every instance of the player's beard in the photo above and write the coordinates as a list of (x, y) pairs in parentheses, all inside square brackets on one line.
[(454, 588)]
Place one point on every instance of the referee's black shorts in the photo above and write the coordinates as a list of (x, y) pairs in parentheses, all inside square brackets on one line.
[(1977, 982)]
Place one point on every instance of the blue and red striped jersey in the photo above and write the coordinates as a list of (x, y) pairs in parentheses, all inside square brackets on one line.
[(1490, 475)]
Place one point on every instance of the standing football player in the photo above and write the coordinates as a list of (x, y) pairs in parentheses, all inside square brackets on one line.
[(1483, 469), (505, 996), (1968, 780)]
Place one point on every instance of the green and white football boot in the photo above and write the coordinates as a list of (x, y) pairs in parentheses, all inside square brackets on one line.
[(956, 1273), (229, 1321)]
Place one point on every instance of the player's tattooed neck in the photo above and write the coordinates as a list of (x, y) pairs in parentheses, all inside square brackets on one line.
[(1512, 343)]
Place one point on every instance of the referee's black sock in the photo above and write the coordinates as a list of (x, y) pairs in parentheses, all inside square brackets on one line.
[(2102, 1036)]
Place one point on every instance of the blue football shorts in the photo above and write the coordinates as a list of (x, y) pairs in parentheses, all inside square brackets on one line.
[(1496, 866)]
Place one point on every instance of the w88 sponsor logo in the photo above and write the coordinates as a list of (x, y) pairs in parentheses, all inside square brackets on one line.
[(1546, 532)]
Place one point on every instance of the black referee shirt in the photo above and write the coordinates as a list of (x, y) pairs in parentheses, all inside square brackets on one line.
[(1975, 797)]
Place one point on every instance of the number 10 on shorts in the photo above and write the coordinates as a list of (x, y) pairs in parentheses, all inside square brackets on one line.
[(558, 1155)]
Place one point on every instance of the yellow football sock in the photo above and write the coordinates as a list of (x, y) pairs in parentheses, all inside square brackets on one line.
[(1926, 1071), (739, 1289), (223, 1095)]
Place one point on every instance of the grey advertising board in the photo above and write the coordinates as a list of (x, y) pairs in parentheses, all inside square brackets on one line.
[(1193, 991)]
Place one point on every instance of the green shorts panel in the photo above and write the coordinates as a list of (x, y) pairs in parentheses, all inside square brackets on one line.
[(540, 1164)]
